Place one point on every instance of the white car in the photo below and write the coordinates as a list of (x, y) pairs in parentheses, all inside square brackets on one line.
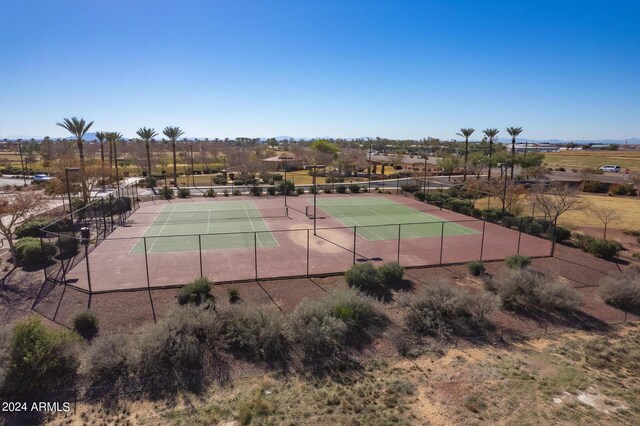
[(611, 168), (41, 178)]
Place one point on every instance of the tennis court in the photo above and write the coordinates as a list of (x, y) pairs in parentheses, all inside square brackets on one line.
[(233, 222), (377, 218)]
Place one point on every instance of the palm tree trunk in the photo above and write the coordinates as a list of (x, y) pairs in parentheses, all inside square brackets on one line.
[(490, 155), (148, 159), (513, 155), (102, 162), (110, 161), (175, 164), (466, 154), (83, 182)]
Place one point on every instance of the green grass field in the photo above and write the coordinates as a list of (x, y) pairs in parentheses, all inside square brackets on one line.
[(177, 227), (378, 219)]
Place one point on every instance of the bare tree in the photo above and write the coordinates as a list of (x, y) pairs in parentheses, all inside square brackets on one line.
[(18, 207), (555, 199), (606, 215)]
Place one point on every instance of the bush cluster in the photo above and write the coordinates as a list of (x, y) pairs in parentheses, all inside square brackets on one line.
[(441, 309), (623, 189), (210, 193), (31, 228), (257, 334), (594, 186), (85, 323), (354, 188), (341, 189), (290, 187), (526, 288), (184, 193), (166, 193), (599, 247), (476, 268), (371, 280), (256, 191), (271, 190), (31, 251), (517, 261), (196, 292), (622, 291)]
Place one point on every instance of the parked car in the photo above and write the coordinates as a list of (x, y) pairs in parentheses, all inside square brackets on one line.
[(41, 178), (611, 168)]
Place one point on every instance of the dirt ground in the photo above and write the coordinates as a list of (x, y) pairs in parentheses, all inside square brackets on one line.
[(468, 380)]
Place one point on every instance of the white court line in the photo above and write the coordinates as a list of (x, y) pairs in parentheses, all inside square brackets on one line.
[(342, 216), (162, 229), (251, 222), (267, 225)]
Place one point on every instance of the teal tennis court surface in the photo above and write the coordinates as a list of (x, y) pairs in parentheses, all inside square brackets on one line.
[(177, 226), (377, 218)]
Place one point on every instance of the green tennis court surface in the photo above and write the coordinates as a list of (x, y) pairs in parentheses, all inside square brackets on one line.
[(378, 219), (176, 228)]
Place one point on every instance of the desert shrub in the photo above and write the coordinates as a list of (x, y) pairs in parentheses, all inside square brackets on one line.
[(623, 189), (271, 190), (85, 323), (107, 359), (597, 246), (68, 245), (257, 334), (210, 193), (166, 193), (220, 180), (341, 189), (256, 191), (476, 268), (39, 357), (184, 193), (318, 334), (327, 190), (410, 188), (391, 273), (225, 193), (196, 292), (420, 196), (234, 295), (31, 251), (357, 311), (299, 190), (314, 190), (562, 234), (236, 192), (31, 228), (493, 215), (187, 339), (281, 185), (594, 186), (517, 261), (364, 277), (442, 309), (622, 291), (150, 182), (523, 287), (354, 188)]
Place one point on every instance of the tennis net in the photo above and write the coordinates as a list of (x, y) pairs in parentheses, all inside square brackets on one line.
[(364, 210), (204, 216)]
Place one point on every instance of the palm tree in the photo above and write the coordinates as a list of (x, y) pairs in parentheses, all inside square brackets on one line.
[(173, 133), (78, 128), (490, 133), (101, 136), (146, 135), (113, 138), (467, 134), (514, 132)]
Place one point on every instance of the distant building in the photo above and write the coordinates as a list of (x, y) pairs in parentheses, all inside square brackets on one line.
[(536, 147)]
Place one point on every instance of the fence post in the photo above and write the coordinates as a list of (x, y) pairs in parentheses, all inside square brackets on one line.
[(111, 211), (399, 234), (441, 242), (484, 224), (86, 258), (307, 252), (255, 252), (104, 219), (146, 261), (200, 252), (519, 236), (354, 244), (146, 265), (44, 258), (64, 272)]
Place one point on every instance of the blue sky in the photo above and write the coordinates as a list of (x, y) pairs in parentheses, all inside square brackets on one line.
[(405, 69)]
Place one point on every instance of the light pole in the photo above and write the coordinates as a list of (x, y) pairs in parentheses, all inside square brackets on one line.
[(66, 173), (192, 170), (315, 168), (22, 164), (424, 185), (369, 168), (284, 159), (503, 170)]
